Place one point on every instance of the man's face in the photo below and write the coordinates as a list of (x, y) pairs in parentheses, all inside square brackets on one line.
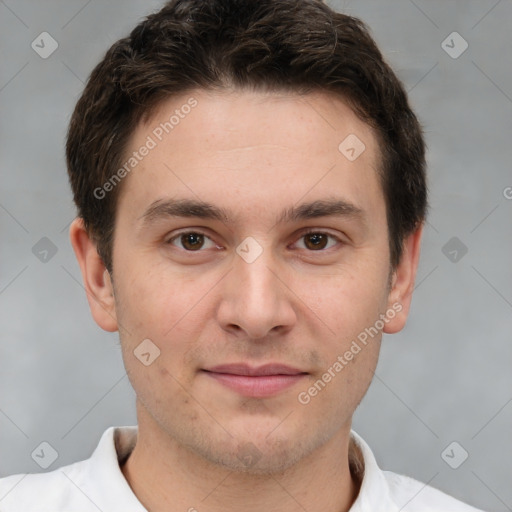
[(219, 305)]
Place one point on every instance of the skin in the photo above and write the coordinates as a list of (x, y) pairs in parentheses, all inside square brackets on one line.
[(253, 154)]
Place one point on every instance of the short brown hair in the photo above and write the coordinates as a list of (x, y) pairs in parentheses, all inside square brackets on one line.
[(286, 45)]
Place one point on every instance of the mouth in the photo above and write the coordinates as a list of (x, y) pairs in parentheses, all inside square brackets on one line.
[(256, 382)]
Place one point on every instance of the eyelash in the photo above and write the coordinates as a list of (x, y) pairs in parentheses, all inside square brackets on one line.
[(309, 232)]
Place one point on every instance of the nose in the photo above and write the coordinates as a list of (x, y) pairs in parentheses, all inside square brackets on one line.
[(256, 301)]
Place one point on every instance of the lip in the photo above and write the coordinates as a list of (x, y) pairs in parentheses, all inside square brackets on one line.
[(256, 382)]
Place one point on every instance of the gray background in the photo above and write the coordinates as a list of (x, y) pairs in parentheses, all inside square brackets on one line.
[(445, 378)]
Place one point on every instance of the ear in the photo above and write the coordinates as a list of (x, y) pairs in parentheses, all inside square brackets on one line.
[(402, 284), (97, 283)]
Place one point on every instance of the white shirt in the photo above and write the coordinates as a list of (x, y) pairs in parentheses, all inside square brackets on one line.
[(98, 484)]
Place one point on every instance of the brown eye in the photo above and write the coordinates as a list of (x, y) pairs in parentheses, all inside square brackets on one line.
[(191, 241), (315, 241)]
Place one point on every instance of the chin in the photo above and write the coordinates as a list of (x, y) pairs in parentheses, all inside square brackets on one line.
[(268, 460), (255, 454)]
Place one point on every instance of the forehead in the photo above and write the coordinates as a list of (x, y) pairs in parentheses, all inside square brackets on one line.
[(229, 117), (253, 149)]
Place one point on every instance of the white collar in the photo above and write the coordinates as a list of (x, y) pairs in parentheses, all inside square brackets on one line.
[(99, 483), (117, 443)]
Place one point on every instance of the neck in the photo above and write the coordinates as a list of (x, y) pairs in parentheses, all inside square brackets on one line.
[(167, 476)]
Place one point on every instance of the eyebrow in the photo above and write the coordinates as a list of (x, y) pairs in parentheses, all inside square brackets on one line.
[(187, 208)]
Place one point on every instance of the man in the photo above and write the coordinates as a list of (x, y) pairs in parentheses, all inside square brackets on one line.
[(250, 184)]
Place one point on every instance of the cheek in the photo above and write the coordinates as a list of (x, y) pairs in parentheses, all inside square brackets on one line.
[(349, 305), (162, 390), (349, 301), (155, 303), (168, 311), (331, 397)]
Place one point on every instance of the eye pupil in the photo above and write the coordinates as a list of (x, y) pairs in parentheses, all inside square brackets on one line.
[(192, 241), (316, 241)]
